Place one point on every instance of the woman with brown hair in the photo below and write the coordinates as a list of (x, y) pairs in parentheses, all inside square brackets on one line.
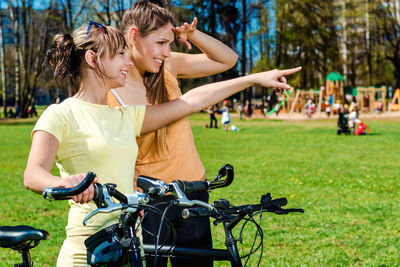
[(168, 153)]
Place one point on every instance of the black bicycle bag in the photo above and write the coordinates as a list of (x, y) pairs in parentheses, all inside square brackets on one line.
[(107, 247)]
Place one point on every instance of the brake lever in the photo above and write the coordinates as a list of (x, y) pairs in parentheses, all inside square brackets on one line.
[(104, 210), (107, 206), (183, 201)]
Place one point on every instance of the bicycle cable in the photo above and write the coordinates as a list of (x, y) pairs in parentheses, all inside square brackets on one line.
[(258, 232), (158, 234), (171, 231)]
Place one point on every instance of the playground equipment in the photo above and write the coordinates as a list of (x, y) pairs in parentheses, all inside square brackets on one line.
[(300, 99), (334, 88), (283, 105), (395, 104), (366, 98)]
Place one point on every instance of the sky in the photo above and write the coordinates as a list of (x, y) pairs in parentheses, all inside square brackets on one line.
[(40, 4)]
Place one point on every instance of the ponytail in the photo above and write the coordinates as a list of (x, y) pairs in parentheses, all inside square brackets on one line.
[(66, 59), (67, 52)]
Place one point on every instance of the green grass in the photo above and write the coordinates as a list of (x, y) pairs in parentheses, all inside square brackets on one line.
[(348, 185)]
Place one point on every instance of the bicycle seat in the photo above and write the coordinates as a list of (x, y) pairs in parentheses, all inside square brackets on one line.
[(14, 236)]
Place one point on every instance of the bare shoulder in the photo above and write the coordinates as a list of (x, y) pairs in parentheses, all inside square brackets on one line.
[(132, 94)]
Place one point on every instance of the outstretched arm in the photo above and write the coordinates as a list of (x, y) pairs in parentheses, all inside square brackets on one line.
[(201, 97), (37, 174), (216, 56)]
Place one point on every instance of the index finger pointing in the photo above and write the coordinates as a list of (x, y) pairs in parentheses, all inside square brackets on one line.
[(194, 22), (290, 71)]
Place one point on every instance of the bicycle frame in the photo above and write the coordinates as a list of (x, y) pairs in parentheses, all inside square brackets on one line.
[(231, 253)]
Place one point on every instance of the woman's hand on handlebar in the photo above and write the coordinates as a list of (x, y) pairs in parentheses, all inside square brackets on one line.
[(72, 181)]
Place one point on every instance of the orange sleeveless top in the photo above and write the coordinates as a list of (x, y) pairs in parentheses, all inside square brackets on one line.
[(180, 159)]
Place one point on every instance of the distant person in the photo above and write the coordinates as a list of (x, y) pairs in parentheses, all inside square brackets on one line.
[(248, 110), (342, 125), (327, 109), (240, 110), (212, 110), (226, 118), (11, 113), (277, 109), (353, 119), (378, 107), (310, 108), (360, 129), (17, 111), (34, 111)]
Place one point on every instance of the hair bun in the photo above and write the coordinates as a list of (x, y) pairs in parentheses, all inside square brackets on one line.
[(64, 57)]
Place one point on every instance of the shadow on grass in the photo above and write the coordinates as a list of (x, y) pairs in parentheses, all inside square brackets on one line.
[(278, 120), (7, 121), (368, 134)]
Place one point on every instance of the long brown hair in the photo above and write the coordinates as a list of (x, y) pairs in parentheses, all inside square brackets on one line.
[(67, 52), (148, 17)]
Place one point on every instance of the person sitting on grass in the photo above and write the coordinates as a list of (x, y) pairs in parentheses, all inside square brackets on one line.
[(360, 129)]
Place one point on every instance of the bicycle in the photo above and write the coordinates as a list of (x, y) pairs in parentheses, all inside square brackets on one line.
[(118, 244)]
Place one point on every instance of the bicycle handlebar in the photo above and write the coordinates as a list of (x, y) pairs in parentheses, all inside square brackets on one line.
[(156, 188), (222, 207), (66, 193), (152, 187), (199, 186), (194, 186)]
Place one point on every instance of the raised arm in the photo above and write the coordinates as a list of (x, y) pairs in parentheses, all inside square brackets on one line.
[(37, 174), (201, 97), (216, 57)]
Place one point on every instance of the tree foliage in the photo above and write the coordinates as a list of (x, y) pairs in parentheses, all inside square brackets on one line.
[(358, 38)]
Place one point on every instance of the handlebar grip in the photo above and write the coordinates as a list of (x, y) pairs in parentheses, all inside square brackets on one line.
[(197, 212), (66, 193), (194, 186), (227, 171), (98, 193), (280, 202)]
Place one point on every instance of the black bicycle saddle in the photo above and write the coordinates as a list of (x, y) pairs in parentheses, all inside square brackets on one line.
[(15, 236)]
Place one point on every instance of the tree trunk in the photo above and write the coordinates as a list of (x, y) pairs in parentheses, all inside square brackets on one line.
[(396, 71), (368, 43), (247, 92), (15, 17), (344, 39), (3, 68), (108, 14)]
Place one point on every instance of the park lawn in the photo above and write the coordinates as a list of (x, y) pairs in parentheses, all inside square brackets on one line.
[(348, 186)]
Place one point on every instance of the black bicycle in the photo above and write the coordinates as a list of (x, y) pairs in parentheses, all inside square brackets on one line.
[(119, 244)]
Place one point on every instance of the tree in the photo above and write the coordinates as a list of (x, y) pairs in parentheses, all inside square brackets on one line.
[(32, 36), (217, 18), (110, 12), (306, 36), (3, 67), (388, 12)]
